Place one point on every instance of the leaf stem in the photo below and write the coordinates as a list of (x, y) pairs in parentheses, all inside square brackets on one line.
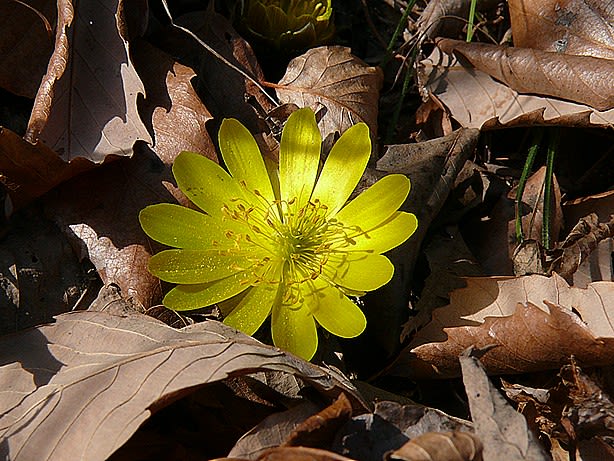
[(397, 32)]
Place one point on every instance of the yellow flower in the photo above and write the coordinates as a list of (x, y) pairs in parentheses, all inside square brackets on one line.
[(280, 242), (288, 25)]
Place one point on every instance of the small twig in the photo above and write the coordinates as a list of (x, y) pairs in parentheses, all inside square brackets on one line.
[(40, 15), (374, 30), (218, 55)]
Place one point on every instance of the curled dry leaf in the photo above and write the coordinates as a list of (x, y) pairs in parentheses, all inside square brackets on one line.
[(330, 76), (86, 104), (503, 431), (440, 446), (370, 436), (529, 319), (580, 27), (88, 381), (582, 79), (476, 100)]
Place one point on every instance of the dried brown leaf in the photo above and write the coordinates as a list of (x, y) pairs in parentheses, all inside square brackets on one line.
[(579, 27), (371, 435), (432, 167), (99, 211), (319, 430), (332, 77), (476, 100), (25, 45), (86, 104), (583, 239), (99, 377), (529, 318), (272, 431), (301, 454), (30, 170), (581, 79), (503, 432), (440, 446)]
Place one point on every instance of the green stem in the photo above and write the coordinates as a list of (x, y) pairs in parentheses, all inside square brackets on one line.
[(397, 32), (471, 20), (397, 109), (548, 189), (526, 171)]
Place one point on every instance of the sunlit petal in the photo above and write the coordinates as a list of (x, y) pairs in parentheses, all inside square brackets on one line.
[(359, 272), (299, 156), (343, 168), (196, 266), (294, 329), (243, 158), (182, 227), (253, 309), (376, 204), (334, 311), (391, 233), (205, 183), (188, 297)]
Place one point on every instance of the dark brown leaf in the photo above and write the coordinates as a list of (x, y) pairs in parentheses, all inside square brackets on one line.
[(319, 430), (25, 44)]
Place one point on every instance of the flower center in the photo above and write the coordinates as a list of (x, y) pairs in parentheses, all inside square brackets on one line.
[(298, 239)]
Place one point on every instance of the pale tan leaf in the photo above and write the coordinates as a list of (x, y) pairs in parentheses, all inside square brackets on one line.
[(476, 100), (580, 79), (529, 319), (99, 376), (332, 77), (503, 431), (86, 104), (440, 446), (580, 27)]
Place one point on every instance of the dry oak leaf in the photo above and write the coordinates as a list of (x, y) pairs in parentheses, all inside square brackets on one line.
[(80, 387), (332, 77), (476, 100), (503, 431), (536, 322), (86, 103), (582, 79), (440, 446), (580, 27)]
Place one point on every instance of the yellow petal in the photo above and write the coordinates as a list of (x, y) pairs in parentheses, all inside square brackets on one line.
[(299, 156), (343, 168), (359, 271), (182, 227), (253, 309), (334, 311), (188, 297), (205, 183), (243, 158), (391, 233), (294, 330), (196, 266), (376, 204)]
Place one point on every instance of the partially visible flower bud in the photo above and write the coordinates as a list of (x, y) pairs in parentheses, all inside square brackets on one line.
[(287, 25)]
